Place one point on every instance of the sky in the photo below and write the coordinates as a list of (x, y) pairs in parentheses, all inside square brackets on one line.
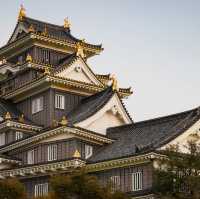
[(151, 45)]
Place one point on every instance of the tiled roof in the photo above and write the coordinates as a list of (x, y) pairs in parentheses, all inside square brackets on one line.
[(146, 135), (90, 105)]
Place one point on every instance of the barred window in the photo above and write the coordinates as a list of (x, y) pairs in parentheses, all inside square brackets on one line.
[(115, 183), (18, 135), (52, 152), (30, 158), (88, 151), (60, 101), (2, 139), (137, 181), (37, 105), (41, 189)]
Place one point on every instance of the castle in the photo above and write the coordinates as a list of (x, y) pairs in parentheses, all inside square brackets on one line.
[(57, 115)]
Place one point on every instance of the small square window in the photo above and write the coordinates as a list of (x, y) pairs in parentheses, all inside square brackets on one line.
[(41, 189), (137, 181), (37, 104), (52, 152), (18, 135), (88, 151), (30, 157), (59, 101)]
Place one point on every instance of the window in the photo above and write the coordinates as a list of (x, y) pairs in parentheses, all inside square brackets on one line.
[(137, 181), (59, 101), (30, 158), (18, 135), (37, 105), (41, 189), (2, 139), (115, 183), (52, 152), (88, 151)]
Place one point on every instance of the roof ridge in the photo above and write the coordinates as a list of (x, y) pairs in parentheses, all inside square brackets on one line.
[(44, 22), (156, 120)]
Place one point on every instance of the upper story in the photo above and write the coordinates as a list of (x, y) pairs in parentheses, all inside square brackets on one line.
[(44, 71)]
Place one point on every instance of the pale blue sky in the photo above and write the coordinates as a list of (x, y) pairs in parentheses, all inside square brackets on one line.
[(151, 45)]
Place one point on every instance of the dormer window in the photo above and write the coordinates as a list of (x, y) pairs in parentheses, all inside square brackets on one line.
[(88, 151), (59, 101), (37, 104), (18, 135)]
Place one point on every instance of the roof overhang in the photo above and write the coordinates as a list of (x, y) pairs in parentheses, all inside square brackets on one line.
[(9, 124), (35, 39), (48, 168), (124, 162), (77, 132), (51, 81)]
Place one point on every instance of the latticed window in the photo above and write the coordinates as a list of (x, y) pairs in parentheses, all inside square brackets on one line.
[(88, 151), (115, 183), (137, 181), (2, 139), (30, 157), (41, 189), (52, 152), (60, 101), (18, 135), (37, 104)]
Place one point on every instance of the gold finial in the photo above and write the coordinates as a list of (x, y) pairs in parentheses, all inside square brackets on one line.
[(31, 28), (79, 49), (45, 32), (64, 121), (21, 118), (54, 123), (66, 23), (29, 58), (76, 154), (114, 83), (7, 116), (46, 71), (22, 13)]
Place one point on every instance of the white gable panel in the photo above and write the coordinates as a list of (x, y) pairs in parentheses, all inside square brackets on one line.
[(79, 71), (191, 134), (112, 114)]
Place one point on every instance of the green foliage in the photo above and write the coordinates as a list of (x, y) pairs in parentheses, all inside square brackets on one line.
[(12, 189), (177, 177), (79, 185)]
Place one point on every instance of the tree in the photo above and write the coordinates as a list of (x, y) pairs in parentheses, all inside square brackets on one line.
[(80, 185), (12, 189), (178, 176)]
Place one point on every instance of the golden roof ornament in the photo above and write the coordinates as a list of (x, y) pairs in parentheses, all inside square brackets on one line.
[(21, 118), (54, 123), (114, 83), (79, 49), (29, 58), (22, 13), (7, 116), (31, 28), (76, 154), (46, 71), (64, 121), (45, 32), (67, 23)]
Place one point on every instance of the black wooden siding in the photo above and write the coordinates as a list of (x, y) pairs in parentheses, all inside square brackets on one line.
[(126, 176), (49, 112), (65, 148)]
